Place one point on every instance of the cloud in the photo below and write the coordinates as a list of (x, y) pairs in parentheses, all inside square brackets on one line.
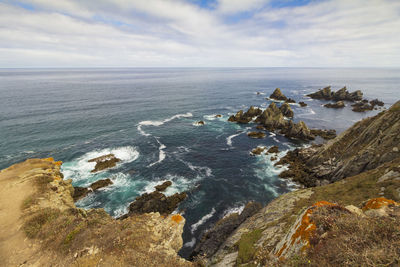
[(137, 33)]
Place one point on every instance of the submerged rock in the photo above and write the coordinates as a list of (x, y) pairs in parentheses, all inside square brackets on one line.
[(277, 95), (286, 110), (376, 102), (218, 116), (104, 162), (200, 123), (338, 104), (214, 238)]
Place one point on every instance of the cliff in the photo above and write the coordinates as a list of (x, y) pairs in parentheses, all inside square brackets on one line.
[(41, 226), (359, 193)]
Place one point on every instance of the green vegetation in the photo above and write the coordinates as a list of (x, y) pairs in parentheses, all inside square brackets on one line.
[(246, 246), (34, 225)]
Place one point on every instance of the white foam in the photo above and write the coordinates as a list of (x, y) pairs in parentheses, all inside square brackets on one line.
[(259, 93), (194, 227), (229, 138), (179, 184), (191, 243), (196, 123), (207, 171), (159, 123), (237, 210), (80, 168), (161, 153)]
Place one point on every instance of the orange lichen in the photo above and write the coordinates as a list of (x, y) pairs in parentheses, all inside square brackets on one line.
[(51, 159), (177, 218), (304, 230), (377, 203)]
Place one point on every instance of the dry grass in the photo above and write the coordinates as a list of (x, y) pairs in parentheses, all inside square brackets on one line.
[(346, 239)]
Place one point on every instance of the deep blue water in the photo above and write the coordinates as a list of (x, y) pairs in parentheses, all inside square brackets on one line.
[(147, 118)]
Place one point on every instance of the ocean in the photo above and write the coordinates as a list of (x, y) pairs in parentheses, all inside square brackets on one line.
[(147, 118)]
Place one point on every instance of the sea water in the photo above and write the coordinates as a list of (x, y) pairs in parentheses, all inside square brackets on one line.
[(148, 118)]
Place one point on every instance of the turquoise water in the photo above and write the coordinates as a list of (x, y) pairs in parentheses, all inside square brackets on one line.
[(147, 118)]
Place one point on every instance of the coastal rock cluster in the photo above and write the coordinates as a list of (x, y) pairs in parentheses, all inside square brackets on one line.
[(341, 95), (274, 119), (104, 162)]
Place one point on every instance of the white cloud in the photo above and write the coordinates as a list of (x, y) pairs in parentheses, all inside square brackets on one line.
[(177, 33)]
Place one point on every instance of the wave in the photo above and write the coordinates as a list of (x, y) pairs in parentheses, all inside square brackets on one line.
[(194, 227), (311, 112), (161, 155), (190, 244), (229, 138), (196, 123), (206, 171), (213, 117), (179, 184), (159, 123), (237, 210), (80, 169)]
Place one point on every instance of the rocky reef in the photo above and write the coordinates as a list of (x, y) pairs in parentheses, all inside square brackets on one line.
[(278, 95), (340, 95), (43, 227), (338, 104)]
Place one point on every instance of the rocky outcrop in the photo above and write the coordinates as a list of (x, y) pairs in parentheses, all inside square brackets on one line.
[(377, 102), (256, 134), (273, 149), (104, 162), (277, 95), (364, 146), (338, 104), (163, 186), (297, 130), (286, 110), (212, 240), (272, 118), (81, 192), (246, 117), (45, 228), (156, 202), (258, 150), (361, 107), (340, 95), (200, 123)]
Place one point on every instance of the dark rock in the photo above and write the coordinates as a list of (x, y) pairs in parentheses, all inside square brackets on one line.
[(322, 94), (341, 94), (200, 123), (302, 104), (376, 102), (163, 186), (214, 238), (80, 192), (156, 202), (260, 127), (273, 149), (218, 116), (100, 184), (246, 117), (104, 162), (326, 134), (298, 130), (361, 107), (289, 100), (277, 95), (257, 150), (286, 110), (256, 134), (338, 104)]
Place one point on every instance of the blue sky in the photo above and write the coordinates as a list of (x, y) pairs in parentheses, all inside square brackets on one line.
[(199, 33)]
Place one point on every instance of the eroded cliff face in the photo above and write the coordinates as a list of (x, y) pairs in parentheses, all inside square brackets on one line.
[(41, 226), (284, 231)]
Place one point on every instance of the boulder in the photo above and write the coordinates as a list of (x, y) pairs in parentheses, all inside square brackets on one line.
[(338, 104), (200, 123), (361, 107), (81, 192), (286, 110), (277, 95), (302, 104), (218, 116), (258, 150), (100, 184)]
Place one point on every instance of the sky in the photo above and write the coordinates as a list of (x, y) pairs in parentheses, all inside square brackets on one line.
[(199, 33)]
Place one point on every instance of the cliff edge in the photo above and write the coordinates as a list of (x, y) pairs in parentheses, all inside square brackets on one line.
[(41, 226)]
